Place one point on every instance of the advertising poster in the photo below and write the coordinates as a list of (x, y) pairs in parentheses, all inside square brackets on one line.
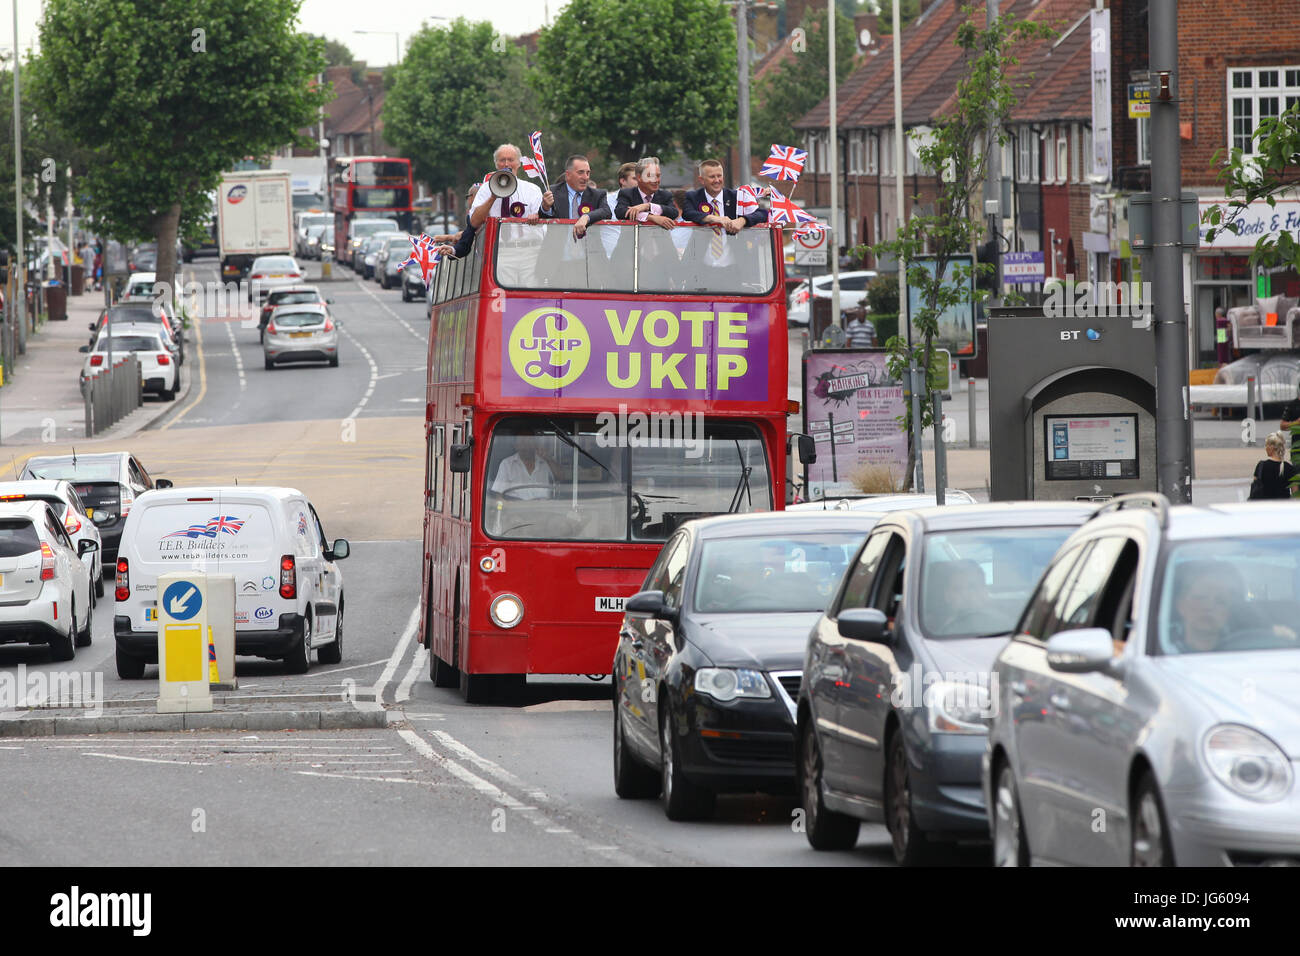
[(956, 324), (851, 408)]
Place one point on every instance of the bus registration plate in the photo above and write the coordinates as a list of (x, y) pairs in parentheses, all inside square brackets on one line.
[(610, 604)]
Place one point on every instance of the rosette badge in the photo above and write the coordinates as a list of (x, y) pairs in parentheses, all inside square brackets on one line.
[(706, 208), (584, 209), (516, 209)]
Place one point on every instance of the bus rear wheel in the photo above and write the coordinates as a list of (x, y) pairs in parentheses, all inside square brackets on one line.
[(491, 688)]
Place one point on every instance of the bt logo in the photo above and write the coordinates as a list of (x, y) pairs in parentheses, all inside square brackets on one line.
[(1072, 335)]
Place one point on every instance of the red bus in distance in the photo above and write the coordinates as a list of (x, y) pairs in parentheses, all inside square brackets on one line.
[(585, 399), (368, 187)]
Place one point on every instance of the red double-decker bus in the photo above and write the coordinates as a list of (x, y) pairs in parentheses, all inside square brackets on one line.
[(585, 398), (368, 187)]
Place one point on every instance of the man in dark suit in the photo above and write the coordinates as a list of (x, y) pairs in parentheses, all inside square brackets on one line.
[(576, 199), (646, 202), (712, 204), (715, 206)]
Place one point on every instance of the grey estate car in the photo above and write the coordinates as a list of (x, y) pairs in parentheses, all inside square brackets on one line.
[(1149, 709), (896, 695)]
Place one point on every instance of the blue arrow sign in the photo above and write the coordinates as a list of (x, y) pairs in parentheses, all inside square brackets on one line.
[(182, 600)]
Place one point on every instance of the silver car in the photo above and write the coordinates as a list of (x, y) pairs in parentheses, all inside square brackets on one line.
[(1149, 703), (301, 333)]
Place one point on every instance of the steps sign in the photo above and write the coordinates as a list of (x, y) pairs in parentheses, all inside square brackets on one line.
[(182, 600)]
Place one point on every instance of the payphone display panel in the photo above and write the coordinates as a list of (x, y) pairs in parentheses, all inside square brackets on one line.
[(1090, 446)]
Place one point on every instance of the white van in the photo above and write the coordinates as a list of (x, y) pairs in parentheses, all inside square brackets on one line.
[(288, 590)]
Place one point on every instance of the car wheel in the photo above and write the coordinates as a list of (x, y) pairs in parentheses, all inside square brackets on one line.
[(633, 780), (909, 841), (298, 660), (84, 635), (99, 585), (63, 647), (1010, 848), (334, 362), (406, 296), (1149, 829), (681, 799), (169, 394), (270, 363), (825, 829), (333, 653)]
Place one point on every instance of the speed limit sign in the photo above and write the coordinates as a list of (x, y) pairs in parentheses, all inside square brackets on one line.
[(810, 250)]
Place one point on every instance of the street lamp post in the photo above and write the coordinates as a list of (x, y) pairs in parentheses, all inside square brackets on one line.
[(20, 257)]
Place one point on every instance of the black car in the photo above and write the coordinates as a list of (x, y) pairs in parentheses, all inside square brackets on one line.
[(707, 668), (894, 708), (107, 485)]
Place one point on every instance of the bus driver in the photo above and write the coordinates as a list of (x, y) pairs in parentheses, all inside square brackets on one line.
[(526, 474)]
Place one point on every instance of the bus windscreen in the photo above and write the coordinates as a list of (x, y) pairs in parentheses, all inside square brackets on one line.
[(613, 257), (380, 173)]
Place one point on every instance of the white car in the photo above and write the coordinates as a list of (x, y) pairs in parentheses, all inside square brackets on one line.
[(300, 332), (853, 291), (288, 588), (69, 509), (273, 272), (46, 595), (359, 232), (153, 349), (882, 504)]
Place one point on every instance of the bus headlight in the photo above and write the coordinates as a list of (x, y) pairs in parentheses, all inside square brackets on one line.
[(506, 610)]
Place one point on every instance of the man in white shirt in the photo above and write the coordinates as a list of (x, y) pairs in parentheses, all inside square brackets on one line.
[(525, 475), (526, 203)]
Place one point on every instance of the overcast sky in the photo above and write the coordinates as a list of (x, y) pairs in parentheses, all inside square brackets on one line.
[(337, 19)]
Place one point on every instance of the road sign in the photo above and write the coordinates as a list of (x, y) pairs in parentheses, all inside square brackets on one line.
[(183, 638), (182, 599), (810, 250)]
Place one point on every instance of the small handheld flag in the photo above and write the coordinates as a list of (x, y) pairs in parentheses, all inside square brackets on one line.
[(785, 162)]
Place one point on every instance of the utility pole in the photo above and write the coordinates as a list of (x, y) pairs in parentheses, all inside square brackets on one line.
[(742, 58), (1173, 448), (914, 438), (835, 168), (19, 306), (993, 182)]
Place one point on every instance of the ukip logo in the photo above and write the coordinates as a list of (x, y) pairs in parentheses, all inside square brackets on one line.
[(549, 348)]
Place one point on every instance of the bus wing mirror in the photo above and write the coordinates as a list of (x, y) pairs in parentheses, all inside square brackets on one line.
[(460, 458), (807, 449)]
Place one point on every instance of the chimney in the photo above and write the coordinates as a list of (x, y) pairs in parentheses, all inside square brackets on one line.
[(866, 21)]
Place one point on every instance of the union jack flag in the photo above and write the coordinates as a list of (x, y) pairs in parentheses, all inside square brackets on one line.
[(786, 210), (530, 167), (220, 524), (786, 162), (747, 199), (536, 140), (422, 255), (811, 229)]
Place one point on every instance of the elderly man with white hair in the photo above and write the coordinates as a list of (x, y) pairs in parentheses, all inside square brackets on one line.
[(526, 203)]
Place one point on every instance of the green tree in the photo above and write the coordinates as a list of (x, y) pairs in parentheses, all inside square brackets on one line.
[(168, 94), (907, 12), (1271, 169), (800, 82), (458, 93), (984, 99), (641, 79)]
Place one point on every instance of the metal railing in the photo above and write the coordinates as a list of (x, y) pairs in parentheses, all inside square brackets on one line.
[(113, 393)]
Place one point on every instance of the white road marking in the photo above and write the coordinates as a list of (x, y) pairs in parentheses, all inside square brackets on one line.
[(496, 770), (338, 776), (7, 747), (180, 763), (354, 667), (374, 371), (401, 321), (417, 665), (239, 359), (398, 653)]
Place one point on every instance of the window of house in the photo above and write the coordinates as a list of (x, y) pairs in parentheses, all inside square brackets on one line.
[(855, 153), (1077, 163), (1062, 155), (1087, 151), (887, 153), (873, 154), (1049, 158), (1028, 164), (1255, 95)]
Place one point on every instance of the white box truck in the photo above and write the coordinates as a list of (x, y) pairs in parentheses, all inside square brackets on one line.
[(254, 218)]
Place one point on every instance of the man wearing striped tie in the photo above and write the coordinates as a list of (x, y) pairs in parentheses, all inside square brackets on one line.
[(714, 205)]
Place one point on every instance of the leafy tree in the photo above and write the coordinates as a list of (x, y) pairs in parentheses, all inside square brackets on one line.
[(169, 94), (800, 82), (984, 98), (458, 93), (641, 79), (1272, 169), (337, 53), (907, 12)]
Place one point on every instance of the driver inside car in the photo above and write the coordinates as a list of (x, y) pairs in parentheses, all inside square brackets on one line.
[(526, 474)]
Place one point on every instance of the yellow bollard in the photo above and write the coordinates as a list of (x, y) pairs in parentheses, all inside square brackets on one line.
[(325, 270)]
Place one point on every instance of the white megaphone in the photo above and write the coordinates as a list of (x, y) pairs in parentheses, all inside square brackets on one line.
[(502, 183)]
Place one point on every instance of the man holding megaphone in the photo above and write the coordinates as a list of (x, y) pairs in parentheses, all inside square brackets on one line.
[(506, 196)]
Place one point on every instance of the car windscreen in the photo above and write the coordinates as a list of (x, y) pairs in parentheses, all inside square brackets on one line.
[(791, 572), (975, 583), (139, 313), (17, 537), (298, 319), (1227, 595), (80, 470), (567, 478), (293, 298), (130, 343)]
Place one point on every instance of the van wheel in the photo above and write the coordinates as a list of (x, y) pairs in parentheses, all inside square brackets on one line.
[(333, 653), (99, 585), (83, 636), (128, 667), (62, 647), (299, 659)]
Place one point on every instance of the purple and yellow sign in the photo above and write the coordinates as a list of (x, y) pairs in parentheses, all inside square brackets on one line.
[(641, 349)]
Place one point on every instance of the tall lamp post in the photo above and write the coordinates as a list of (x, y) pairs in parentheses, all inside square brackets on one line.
[(20, 257)]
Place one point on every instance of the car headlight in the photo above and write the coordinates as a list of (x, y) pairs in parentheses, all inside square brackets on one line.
[(1247, 762), (726, 683), (506, 610), (958, 708)]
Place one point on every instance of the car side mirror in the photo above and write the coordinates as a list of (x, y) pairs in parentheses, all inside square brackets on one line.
[(650, 604), (162, 483), (87, 546), (84, 348), (460, 458), (863, 624), (340, 549), (92, 326), (1081, 651)]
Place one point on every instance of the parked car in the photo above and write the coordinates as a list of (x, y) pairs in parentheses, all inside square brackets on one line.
[(68, 509), (268, 273), (895, 698), (311, 245), (301, 333), (152, 348), (369, 251), (292, 295), (46, 593), (412, 283), (359, 231), (274, 542), (139, 287), (1153, 679), (883, 504), (853, 292), (308, 221), (392, 253), (140, 313), (708, 663), (144, 257)]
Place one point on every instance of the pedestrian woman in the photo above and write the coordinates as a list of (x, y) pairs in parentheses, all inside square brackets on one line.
[(1273, 475)]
